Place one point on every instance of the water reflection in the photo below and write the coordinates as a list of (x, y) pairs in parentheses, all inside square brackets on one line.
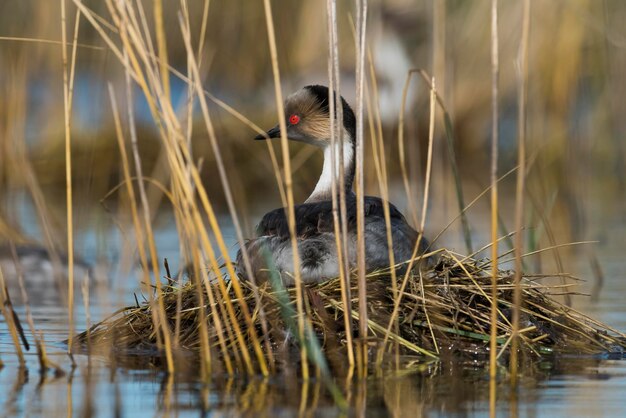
[(573, 386)]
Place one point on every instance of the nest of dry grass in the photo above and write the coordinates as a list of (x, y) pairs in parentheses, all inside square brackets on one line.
[(444, 309)]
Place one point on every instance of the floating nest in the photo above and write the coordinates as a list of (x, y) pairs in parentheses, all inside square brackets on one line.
[(444, 310)]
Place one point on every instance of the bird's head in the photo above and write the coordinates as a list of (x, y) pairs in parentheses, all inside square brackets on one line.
[(307, 114)]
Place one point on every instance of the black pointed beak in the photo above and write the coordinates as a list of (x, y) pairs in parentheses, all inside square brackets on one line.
[(272, 133)]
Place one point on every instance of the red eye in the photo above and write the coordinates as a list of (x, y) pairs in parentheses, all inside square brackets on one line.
[(294, 119)]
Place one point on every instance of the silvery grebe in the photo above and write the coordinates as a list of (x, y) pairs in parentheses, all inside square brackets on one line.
[(308, 120), (45, 278)]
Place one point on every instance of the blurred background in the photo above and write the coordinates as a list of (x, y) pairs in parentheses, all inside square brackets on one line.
[(576, 175)]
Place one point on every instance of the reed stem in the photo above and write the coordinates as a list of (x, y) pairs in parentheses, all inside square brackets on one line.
[(67, 106), (336, 108), (160, 319), (288, 184), (6, 308), (360, 216), (493, 344), (231, 206), (522, 76)]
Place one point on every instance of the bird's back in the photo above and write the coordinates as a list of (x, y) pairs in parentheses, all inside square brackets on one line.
[(316, 239), (317, 217)]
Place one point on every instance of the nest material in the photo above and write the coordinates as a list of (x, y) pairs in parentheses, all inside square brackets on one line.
[(445, 308)]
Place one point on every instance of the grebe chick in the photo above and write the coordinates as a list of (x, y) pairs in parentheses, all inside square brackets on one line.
[(308, 120)]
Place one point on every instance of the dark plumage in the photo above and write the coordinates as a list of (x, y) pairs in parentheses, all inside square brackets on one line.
[(307, 112), (317, 217)]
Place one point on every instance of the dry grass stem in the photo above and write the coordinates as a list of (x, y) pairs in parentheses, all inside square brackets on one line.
[(495, 68), (229, 199), (68, 82), (361, 24), (12, 321), (336, 107), (431, 135), (520, 187), (160, 321), (288, 182)]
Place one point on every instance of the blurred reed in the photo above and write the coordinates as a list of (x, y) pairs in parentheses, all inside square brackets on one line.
[(522, 72)]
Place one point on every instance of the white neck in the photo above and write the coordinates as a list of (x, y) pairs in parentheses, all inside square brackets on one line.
[(323, 189)]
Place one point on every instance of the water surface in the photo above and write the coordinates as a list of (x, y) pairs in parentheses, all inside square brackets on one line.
[(572, 387)]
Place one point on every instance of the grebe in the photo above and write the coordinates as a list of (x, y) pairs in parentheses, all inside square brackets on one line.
[(45, 278), (308, 120)]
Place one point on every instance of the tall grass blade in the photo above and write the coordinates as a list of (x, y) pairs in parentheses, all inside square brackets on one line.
[(67, 106), (522, 76), (361, 24), (231, 205), (336, 108), (495, 73), (160, 318), (450, 141), (288, 182)]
